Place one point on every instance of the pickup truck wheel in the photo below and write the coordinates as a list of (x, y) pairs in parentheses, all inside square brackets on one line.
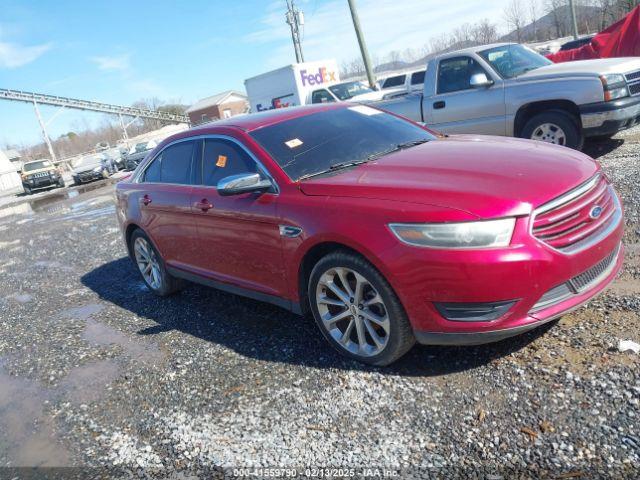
[(554, 127), (357, 311)]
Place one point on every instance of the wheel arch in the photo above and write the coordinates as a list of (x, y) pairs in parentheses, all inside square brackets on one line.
[(310, 257), (527, 111)]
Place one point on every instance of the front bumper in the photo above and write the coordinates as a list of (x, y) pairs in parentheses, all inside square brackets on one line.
[(534, 320), (83, 177), (523, 273), (606, 118), (42, 182)]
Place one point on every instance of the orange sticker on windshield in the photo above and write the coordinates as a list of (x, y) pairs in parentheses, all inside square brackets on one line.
[(222, 161), (293, 143)]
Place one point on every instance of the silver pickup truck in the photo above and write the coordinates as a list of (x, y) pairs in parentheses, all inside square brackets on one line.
[(508, 89)]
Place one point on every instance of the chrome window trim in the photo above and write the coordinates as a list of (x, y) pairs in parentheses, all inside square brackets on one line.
[(261, 167)]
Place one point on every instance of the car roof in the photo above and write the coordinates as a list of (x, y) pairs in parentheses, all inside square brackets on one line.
[(253, 121), (475, 49)]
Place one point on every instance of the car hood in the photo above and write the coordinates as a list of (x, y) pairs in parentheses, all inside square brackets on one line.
[(484, 176), (584, 68), (85, 167)]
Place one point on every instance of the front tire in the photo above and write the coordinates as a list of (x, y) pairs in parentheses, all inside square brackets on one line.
[(151, 266), (357, 311), (27, 190), (555, 127)]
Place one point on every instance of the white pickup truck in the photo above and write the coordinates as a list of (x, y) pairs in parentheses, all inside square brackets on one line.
[(508, 89)]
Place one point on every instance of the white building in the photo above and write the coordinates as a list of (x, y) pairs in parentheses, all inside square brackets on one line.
[(10, 182)]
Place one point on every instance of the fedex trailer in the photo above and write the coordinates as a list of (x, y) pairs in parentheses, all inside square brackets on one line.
[(289, 86)]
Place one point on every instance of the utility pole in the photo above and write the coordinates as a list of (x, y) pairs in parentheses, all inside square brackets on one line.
[(574, 23), (295, 19), (44, 132), (363, 45)]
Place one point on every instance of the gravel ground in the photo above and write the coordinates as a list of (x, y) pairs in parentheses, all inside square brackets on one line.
[(95, 371)]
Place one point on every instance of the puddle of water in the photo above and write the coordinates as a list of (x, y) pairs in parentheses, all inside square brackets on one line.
[(27, 434), (83, 312), (101, 334), (10, 244), (21, 297), (87, 383)]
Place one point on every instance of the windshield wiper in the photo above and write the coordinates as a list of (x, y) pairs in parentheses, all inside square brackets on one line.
[(373, 156), (334, 167), (413, 143)]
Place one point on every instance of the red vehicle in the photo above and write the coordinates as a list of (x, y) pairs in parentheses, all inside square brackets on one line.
[(386, 232)]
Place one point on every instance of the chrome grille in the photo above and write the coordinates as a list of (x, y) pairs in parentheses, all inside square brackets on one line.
[(40, 175), (634, 89), (633, 82), (632, 76), (567, 223)]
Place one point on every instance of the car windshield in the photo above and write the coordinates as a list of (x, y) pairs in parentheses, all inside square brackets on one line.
[(141, 147), (513, 60), (316, 143), (345, 91), (89, 160), (30, 167)]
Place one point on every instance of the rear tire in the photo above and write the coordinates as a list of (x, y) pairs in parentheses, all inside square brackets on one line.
[(152, 267), (554, 126), (373, 327)]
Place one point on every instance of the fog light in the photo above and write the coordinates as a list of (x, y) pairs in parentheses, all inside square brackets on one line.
[(474, 312)]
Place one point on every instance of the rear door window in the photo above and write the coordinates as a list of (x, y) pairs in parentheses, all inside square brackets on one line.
[(396, 81), (417, 78), (173, 165)]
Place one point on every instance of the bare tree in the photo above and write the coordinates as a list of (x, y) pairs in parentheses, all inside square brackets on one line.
[(559, 11), (484, 32), (533, 12), (514, 16)]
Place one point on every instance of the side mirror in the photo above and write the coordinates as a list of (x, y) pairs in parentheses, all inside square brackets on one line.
[(480, 80), (243, 183)]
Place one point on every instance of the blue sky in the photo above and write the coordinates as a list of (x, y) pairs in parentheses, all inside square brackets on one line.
[(122, 51)]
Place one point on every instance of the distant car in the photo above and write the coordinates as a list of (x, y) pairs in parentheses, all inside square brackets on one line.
[(93, 167), (137, 153), (40, 174), (576, 43), (117, 157)]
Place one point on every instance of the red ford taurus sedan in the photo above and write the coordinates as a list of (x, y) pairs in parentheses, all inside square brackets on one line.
[(386, 233)]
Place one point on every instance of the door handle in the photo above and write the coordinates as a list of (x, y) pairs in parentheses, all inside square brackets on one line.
[(204, 205), (439, 105), (146, 200)]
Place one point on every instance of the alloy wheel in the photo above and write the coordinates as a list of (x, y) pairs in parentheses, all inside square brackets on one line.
[(147, 263), (352, 311), (550, 133)]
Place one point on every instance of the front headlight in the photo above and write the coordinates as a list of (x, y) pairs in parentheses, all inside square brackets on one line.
[(483, 234), (614, 86)]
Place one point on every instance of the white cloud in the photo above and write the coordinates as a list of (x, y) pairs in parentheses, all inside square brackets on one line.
[(387, 24), (113, 63), (13, 55)]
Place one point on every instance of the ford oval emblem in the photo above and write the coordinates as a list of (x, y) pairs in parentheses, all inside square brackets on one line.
[(595, 212)]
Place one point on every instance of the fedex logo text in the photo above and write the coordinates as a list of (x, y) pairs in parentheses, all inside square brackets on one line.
[(322, 76)]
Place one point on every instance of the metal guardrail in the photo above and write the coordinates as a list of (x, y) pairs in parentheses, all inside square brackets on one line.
[(43, 99)]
